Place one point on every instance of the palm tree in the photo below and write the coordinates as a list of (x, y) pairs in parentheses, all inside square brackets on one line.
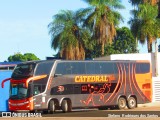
[(137, 2), (67, 36), (152, 2), (144, 25), (102, 19)]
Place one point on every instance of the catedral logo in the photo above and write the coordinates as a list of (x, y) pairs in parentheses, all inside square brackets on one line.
[(91, 79)]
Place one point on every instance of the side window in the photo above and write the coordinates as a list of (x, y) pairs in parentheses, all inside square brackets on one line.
[(92, 68), (138, 68), (37, 89), (145, 67), (64, 68), (107, 68), (60, 69), (43, 68), (78, 67), (68, 68), (115, 68), (14, 90), (142, 68)]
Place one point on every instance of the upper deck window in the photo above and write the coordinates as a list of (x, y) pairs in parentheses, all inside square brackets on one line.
[(142, 68), (23, 71), (71, 68), (44, 68)]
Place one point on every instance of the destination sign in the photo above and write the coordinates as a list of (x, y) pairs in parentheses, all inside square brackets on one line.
[(91, 79)]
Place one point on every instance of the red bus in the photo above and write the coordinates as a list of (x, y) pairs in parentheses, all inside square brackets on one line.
[(59, 84)]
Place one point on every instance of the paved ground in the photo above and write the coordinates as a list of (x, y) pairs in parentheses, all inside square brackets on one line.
[(149, 111), (152, 104)]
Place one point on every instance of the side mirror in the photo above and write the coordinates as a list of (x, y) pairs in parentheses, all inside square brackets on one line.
[(2, 84)]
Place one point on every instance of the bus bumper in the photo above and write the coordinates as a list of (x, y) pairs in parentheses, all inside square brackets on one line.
[(19, 105)]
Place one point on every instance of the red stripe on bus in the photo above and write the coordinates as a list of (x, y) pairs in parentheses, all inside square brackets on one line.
[(119, 77), (134, 80)]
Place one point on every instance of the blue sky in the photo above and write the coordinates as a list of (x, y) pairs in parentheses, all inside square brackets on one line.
[(23, 25)]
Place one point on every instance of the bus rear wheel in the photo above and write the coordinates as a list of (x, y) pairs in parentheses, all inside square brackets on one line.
[(66, 106), (132, 103), (52, 106), (122, 103)]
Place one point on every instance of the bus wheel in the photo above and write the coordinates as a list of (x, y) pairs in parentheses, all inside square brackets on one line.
[(66, 106), (52, 106), (132, 103), (122, 103)]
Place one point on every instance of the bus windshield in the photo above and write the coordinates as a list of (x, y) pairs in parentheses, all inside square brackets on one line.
[(23, 71), (18, 91)]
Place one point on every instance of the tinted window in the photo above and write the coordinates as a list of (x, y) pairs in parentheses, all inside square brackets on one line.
[(38, 88), (64, 68), (60, 69), (78, 67), (44, 68), (106, 68), (142, 68), (23, 71), (92, 68), (115, 68), (86, 68), (68, 68)]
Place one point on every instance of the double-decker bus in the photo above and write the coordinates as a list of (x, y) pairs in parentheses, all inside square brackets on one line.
[(59, 84)]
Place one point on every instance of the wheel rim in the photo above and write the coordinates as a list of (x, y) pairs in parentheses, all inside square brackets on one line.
[(66, 107), (132, 103), (53, 107), (122, 103)]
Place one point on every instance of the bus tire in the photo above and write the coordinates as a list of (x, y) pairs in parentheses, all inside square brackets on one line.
[(122, 103), (52, 106), (66, 106), (132, 103)]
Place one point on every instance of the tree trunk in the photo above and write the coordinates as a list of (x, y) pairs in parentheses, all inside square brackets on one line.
[(136, 43), (149, 44), (102, 49), (158, 9)]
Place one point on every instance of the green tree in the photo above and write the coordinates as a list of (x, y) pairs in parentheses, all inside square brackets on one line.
[(145, 22), (20, 57), (137, 2), (68, 36), (124, 42), (30, 57), (93, 52), (102, 18), (16, 57)]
